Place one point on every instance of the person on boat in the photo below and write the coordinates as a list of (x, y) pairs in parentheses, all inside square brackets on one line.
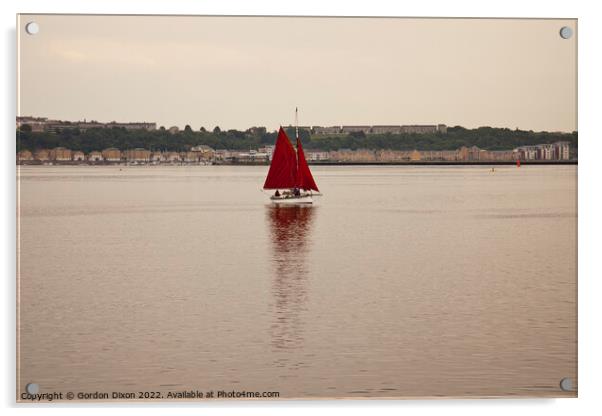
[(277, 193), (297, 192)]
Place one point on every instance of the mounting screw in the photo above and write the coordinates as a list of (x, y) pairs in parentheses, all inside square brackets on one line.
[(566, 32), (32, 388), (32, 28), (566, 384)]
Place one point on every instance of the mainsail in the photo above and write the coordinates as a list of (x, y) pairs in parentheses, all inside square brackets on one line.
[(283, 170), (305, 180), (289, 169)]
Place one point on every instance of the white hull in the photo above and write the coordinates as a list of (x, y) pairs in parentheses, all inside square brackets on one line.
[(304, 199)]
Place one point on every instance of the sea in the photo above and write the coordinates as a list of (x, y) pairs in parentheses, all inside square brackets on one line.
[(398, 282)]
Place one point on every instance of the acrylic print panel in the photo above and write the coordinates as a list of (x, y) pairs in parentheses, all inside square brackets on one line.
[(410, 232)]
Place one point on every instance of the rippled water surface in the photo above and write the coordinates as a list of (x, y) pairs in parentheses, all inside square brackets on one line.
[(399, 282)]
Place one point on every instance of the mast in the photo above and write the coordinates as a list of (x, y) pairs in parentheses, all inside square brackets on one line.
[(296, 123), (304, 179)]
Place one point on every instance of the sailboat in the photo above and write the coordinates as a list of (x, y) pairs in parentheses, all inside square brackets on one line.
[(289, 173)]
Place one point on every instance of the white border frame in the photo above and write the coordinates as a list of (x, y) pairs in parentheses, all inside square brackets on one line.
[(590, 207)]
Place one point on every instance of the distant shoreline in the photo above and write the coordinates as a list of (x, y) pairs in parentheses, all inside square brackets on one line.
[(326, 163)]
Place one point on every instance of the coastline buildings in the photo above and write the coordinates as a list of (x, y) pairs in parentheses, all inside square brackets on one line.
[(380, 129), (137, 155), (553, 151), (60, 154), (41, 124), (172, 157), (252, 156), (203, 154), (559, 151), (37, 124), (326, 130), (78, 156), (24, 156), (157, 157), (95, 157), (268, 150), (355, 129), (41, 155), (111, 154), (314, 156)]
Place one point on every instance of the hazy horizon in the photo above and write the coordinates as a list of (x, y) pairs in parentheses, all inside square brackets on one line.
[(239, 72)]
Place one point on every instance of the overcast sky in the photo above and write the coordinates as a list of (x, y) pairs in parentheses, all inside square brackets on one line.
[(237, 72)]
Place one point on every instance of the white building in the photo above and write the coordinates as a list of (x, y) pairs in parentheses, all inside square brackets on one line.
[(36, 123), (386, 129), (157, 157), (327, 130), (268, 150), (562, 150), (317, 156), (78, 156), (173, 157), (356, 129), (95, 157), (252, 156)]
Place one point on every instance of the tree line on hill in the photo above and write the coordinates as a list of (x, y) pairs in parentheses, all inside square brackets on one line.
[(489, 138)]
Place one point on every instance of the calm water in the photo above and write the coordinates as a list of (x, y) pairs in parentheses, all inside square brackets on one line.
[(399, 282)]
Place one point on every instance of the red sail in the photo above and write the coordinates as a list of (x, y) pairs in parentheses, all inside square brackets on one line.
[(304, 178), (283, 170)]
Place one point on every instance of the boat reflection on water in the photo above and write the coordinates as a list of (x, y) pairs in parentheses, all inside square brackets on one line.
[(290, 229)]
